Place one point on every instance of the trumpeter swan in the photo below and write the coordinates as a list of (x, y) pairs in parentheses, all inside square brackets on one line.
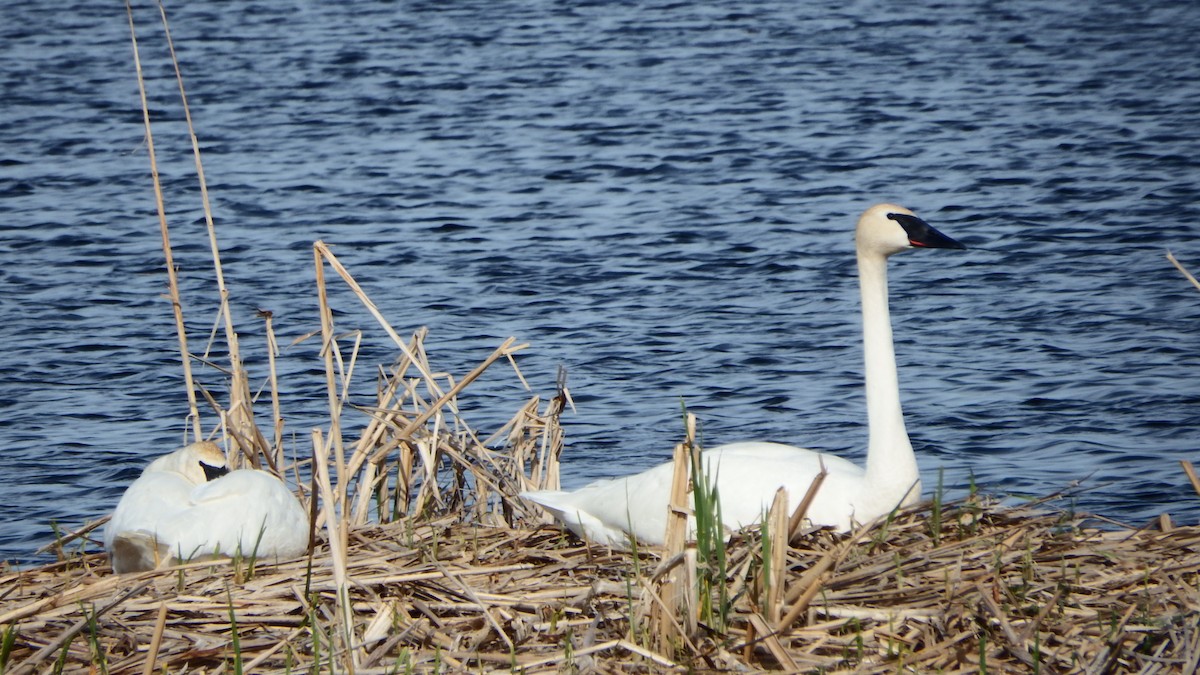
[(187, 505), (748, 474)]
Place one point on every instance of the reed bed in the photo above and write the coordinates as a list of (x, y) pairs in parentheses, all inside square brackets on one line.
[(422, 558), (995, 590)]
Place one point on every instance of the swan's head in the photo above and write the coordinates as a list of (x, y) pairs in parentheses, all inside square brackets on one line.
[(198, 462), (885, 229)]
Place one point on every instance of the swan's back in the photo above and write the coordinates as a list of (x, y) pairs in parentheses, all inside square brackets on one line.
[(747, 476)]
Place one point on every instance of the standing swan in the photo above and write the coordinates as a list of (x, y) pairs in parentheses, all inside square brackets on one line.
[(748, 474), (188, 505)]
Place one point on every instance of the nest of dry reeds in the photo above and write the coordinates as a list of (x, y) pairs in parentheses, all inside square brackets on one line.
[(423, 559), (994, 590)]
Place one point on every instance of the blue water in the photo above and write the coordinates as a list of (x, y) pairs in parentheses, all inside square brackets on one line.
[(658, 196)]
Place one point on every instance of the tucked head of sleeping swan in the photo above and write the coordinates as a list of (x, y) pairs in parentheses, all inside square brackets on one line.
[(748, 474), (198, 462), (186, 505)]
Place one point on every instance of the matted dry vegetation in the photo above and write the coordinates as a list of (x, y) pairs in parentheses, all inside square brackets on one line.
[(423, 560), (998, 591)]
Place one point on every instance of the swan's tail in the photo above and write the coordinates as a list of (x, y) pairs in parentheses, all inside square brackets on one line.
[(585, 525), (550, 500), (137, 551)]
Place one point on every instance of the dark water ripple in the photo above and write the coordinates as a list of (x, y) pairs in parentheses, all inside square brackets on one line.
[(657, 195)]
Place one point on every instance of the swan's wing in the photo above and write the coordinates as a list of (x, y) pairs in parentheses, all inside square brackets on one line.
[(749, 474), (147, 502), (245, 511)]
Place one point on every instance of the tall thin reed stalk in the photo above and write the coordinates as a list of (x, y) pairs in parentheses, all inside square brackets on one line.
[(273, 383), (334, 502), (164, 230), (1183, 270), (796, 522), (1190, 471), (247, 435)]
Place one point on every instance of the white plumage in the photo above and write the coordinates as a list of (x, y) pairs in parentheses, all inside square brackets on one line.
[(747, 475), (172, 512)]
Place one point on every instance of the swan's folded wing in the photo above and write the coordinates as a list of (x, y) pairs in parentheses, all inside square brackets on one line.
[(246, 511), (148, 501), (749, 473)]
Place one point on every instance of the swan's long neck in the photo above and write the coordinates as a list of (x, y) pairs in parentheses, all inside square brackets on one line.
[(891, 464)]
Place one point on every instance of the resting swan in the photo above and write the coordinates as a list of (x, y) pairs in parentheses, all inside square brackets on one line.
[(188, 505), (748, 474)]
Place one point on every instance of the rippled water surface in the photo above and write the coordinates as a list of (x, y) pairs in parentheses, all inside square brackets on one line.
[(658, 196)]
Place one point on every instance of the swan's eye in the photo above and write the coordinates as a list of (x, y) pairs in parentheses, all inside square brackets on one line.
[(892, 216)]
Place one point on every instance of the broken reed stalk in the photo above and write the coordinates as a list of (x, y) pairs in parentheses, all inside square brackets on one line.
[(273, 382), (1187, 466), (328, 351), (775, 535), (323, 253), (1191, 474), (1179, 266), (172, 275), (160, 625), (338, 546), (546, 469), (812, 581), (796, 522), (674, 610), (758, 626)]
